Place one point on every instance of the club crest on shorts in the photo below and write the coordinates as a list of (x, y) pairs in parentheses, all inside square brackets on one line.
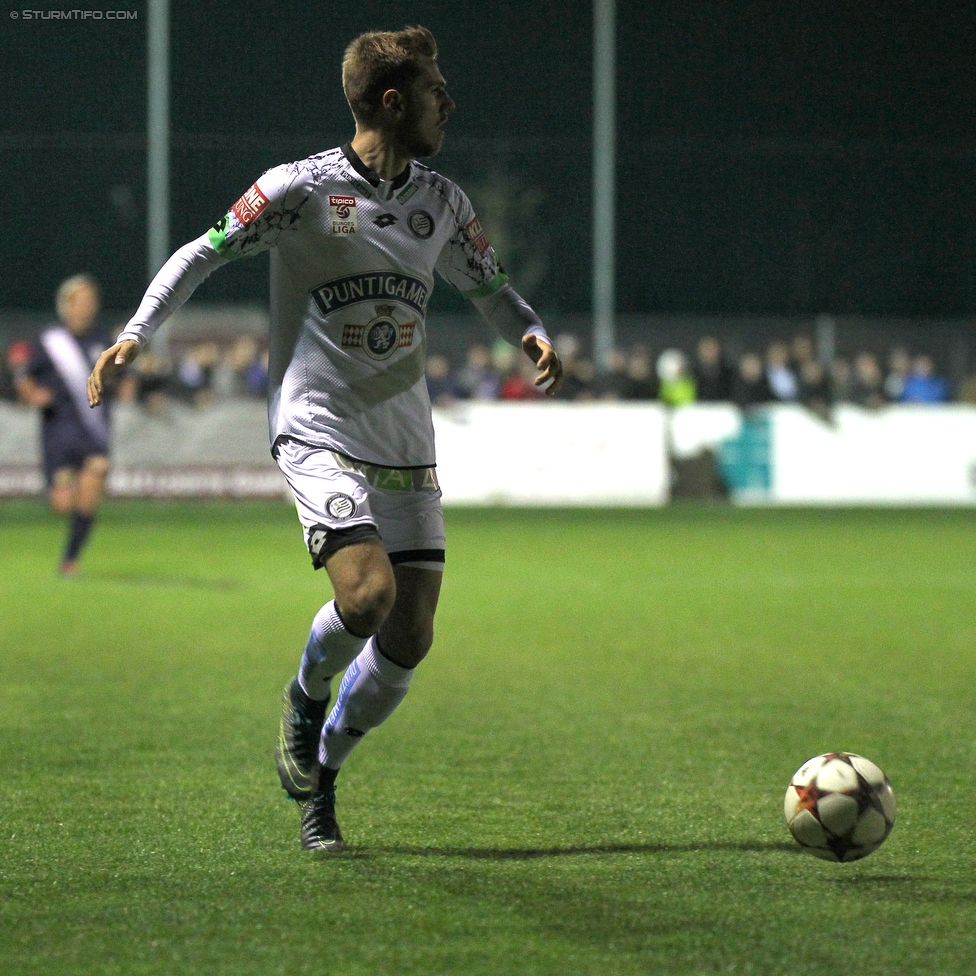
[(381, 336), (340, 507)]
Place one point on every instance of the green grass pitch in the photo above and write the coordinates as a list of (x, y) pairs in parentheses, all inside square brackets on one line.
[(587, 776)]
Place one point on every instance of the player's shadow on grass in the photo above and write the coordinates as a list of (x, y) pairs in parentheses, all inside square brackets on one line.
[(537, 853)]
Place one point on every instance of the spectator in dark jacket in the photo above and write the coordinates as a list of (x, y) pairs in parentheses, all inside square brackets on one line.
[(713, 374), (751, 388)]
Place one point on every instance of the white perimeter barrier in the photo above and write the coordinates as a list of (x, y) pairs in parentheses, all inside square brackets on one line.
[(903, 454), (552, 454), (562, 454)]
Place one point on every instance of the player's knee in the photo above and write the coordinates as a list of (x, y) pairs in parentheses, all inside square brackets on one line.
[(407, 645), (96, 466), (414, 649), (365, 605), (61, 499)]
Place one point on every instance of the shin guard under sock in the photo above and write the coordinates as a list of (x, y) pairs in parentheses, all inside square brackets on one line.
[(370, 692), (330, 649)]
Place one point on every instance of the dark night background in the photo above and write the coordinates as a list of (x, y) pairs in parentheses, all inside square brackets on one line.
[(774, 159)]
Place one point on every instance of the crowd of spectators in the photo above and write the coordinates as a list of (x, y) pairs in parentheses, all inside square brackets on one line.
[(785, 372), (196, 374), (200, 373)]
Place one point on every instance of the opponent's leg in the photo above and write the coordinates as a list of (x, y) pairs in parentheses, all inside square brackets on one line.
[(81, 500), (62, 497), (91, 483), (63, 491)]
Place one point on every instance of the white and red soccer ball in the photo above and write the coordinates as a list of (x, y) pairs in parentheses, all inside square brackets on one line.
[(840, 806)]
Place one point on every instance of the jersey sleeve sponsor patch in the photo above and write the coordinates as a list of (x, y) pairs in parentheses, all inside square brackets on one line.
[(250, 205), (477, 236)]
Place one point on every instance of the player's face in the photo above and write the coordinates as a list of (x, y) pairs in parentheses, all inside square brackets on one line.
[(428, 107), (80, 309)]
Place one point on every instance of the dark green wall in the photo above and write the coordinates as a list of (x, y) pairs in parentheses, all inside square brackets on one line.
[(774, 159)]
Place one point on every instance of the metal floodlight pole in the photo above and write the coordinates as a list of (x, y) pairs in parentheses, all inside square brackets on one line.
[(157, 135), (604, 179)]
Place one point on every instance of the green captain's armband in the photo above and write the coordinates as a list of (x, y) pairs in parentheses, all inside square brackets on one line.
[(217, 235), (488, 288)]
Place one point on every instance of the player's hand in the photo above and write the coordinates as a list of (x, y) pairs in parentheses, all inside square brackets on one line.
[(547, 362), (109, 363), (32, 394)]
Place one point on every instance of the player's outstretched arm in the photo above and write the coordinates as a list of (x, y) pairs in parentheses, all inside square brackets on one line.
[(109, 363), (546, 360)]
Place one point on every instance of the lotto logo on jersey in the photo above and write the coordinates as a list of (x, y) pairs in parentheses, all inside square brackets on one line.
[(477, 236), (249, 207), (342, 214)]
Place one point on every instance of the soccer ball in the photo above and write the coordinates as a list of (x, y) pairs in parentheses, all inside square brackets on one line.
[(840, 806)]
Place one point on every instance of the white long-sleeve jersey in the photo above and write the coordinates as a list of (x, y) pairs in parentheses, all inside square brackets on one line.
[(352, 268)]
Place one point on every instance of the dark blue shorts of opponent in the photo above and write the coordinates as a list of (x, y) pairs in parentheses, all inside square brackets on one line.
[(68, 446)]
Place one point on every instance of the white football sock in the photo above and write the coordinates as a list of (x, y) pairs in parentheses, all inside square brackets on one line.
[(329, 650), (370, 691)]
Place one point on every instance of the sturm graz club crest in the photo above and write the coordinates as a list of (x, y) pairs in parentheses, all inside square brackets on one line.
[(381, 336), (340, 506), (421, 224)]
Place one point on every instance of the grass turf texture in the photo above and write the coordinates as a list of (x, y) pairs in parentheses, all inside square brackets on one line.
[(587, 776)]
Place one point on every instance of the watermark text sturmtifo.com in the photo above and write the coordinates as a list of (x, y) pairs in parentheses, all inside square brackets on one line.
[(74, 14)]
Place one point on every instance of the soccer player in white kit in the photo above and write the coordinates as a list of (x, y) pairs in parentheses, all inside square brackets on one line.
[(355, 235)]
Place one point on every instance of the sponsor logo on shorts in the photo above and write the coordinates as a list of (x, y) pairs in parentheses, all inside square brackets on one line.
[(340, 507), (381, 336), (421, 224), (249, 207), (342, 214), (477, 236), (372, 286), (391, 479)]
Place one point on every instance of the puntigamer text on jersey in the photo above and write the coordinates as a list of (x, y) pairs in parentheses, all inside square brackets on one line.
[(375, 284)]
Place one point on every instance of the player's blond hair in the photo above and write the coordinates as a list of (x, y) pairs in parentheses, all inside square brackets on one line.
[(70, 285), (377, 61)]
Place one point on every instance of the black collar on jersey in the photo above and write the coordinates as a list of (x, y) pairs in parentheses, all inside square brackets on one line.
[(367, 174)]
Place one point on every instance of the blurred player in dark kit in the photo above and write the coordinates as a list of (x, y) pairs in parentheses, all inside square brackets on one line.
[(74, 439), (356, 234)]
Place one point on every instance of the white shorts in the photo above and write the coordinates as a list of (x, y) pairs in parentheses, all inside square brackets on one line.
[(341, 501)]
